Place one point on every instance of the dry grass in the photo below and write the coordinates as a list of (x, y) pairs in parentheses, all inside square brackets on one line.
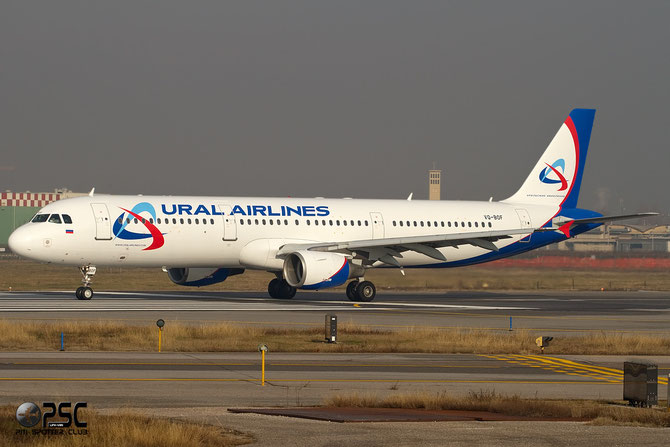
[(121, 429), (225, 337), (599, 413), (27, 275)]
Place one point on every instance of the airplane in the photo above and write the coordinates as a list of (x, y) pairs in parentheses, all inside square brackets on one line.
[(315, 243)]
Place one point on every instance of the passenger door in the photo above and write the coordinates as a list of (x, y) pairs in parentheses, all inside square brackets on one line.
[(103, 226), (229, 223), (377, 225)]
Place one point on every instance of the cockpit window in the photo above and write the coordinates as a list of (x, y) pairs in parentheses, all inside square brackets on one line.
[(40, 218), (67, 219), (54, 218)]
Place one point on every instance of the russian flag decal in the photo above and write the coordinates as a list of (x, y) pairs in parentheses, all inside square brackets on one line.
[(69, 231)]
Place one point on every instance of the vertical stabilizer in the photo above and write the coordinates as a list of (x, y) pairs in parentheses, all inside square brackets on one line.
[(557, 176)]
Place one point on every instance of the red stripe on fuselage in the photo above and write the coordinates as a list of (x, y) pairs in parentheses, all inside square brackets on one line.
[(159, 240)]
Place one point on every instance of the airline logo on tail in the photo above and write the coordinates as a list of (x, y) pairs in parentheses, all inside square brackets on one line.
[(557, 177)]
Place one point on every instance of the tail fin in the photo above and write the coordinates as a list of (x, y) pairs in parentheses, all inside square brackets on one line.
[(557, 177)]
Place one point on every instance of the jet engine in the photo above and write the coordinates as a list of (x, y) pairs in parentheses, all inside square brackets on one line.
[(313, 270), (197, 277)]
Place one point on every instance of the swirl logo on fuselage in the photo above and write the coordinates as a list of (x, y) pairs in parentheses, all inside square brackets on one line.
[(553, 169), (122, 222)]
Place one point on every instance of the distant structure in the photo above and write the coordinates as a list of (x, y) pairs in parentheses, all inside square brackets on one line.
[(434, 185)]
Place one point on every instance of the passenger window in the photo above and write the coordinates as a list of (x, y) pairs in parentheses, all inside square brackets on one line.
[(442, 223), (469, 224), (285, 221), (422, 223), (489, 224), (188, 221), (67, 219), (366, 223), (308, 222), (135, 220), (120, 220), (394, 223), (263, 220), (428, 223), (352, 223), (344, 222), (197, 221), (278, 221), (256, 221), (271, 221), (297, 222), (39, 218), (400, 223), (476, 224), (415, 223), (211, 221), (181, 221), (359, 223), (337, 222), (330, 222), (463, 224), (316, 221), (449, 224), (174, 221), (55, 218)]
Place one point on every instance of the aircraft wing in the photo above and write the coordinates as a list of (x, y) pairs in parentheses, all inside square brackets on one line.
[(387, 250)]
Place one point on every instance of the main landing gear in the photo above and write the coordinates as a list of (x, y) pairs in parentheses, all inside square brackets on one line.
[(85, 292), (279, 288), (363, 291)]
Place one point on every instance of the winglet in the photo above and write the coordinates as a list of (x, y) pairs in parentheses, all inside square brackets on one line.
[(409, 198), (90, 194)]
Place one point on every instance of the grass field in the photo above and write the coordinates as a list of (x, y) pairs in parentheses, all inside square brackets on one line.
[(27, 275), (121, 429), (598, 412), (225, 337)]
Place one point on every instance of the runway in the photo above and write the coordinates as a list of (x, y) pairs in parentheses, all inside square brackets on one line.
[(234, 379), (554, 313)]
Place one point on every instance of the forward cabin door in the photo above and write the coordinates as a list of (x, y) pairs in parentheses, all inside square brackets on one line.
[(377, 225), (524, 220), (229, 223), (103, 226)]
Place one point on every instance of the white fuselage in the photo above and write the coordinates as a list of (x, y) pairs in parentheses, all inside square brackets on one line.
[(247, 232)]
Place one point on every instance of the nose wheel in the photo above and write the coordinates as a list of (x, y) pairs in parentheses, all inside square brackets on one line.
[(85, 292)]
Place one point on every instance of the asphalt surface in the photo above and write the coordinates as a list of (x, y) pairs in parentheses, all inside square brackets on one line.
[(201, 386), (234, 379), (552, 312)]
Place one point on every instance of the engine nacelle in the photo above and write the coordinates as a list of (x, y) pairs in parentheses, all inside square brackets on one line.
[(315, 270), (197, 277)]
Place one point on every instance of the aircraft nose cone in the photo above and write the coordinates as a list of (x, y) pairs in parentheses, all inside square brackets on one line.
[(19, 242)]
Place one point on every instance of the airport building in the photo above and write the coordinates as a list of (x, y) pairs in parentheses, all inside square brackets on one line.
[(17, 208)]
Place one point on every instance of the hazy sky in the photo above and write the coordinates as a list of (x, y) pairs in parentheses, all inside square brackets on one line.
[(331, 98)]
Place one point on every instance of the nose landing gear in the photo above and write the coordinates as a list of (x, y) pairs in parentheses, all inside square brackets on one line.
[(85, 292)]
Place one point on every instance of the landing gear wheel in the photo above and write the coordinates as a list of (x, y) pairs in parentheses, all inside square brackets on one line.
[(273, 288), (280, 289), (286, 291), (365, 291), (84, 293), (351, 291)]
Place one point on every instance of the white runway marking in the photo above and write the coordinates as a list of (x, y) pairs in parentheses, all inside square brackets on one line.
[(124, 301)]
